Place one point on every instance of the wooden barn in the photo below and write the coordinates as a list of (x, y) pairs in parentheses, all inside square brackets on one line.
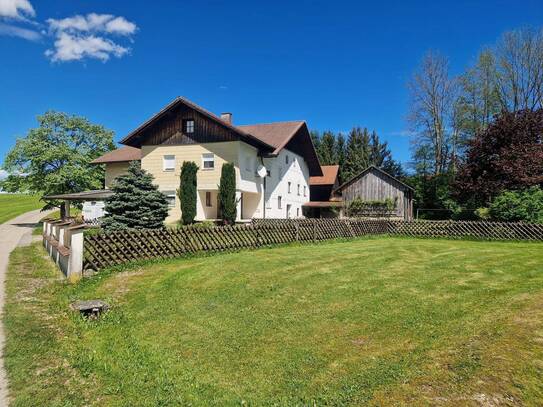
[(373, 184)]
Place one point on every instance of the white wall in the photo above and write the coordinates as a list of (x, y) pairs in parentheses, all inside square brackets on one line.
[(297, 173)]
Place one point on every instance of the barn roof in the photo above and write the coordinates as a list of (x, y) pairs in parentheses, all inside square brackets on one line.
[(123, 154), (370, 168), (329, 176)]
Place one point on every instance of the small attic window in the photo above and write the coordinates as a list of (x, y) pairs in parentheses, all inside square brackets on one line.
[(188, 126)]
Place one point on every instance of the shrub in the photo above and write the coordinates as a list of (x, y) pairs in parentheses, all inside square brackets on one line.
[(482, 213), (359, 207), (518, 206), (187, 192), (227, 193), (136, 203)]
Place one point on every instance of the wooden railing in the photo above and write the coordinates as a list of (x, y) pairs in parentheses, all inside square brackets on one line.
[(103, 249)]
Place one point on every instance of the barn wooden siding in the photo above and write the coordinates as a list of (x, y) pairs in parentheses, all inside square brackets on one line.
[(376, 186)]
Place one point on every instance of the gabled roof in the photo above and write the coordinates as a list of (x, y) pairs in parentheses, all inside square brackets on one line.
[(123, 154), (184, 101), (276, 134), (329, 176), (372, 167)]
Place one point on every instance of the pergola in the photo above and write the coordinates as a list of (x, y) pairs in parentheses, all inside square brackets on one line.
[(94, 195)]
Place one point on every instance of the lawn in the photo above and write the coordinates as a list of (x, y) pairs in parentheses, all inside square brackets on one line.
[(380, 321), (13, 205)]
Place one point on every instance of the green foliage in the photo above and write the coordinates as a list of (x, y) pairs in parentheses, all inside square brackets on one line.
[(518, 206), (55, 157), (227, 193), (482, 213), (188, 192), (359, 207), (136, 203)]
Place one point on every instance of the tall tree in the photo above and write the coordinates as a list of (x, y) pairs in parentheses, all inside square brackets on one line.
[(188, 191), (227, 193), (433, 94), (358, 151), (519, 70), (327, 149), (340, 154), (55, 157), (136, 203), (508, 155)]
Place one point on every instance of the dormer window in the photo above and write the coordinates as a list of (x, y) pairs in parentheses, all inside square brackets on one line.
[(188, 126)]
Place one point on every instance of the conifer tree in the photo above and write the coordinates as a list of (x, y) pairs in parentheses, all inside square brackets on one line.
[(340, 154), (227, 193), (327, 149), (187, 192), (136, 203)]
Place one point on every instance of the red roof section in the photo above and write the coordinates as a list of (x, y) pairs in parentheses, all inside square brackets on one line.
[(122, 154), (275, 134), (329, 176)]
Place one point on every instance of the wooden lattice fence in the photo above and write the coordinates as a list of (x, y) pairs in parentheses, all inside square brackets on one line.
[(108, 249)]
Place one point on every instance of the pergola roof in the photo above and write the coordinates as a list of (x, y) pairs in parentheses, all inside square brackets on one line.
[(95, 195)]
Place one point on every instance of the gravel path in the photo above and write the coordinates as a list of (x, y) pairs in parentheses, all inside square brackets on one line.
[(13, 233)]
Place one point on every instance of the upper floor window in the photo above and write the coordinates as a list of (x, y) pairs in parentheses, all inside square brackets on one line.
[(188, 126), (298, 189), (208, 161), (279, 205), (286, 159), (248, 163), (305, 191), (268, 173), (288, 187), (168, 163)]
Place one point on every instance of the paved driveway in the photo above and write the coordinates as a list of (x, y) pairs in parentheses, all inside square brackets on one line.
[(13, 233)]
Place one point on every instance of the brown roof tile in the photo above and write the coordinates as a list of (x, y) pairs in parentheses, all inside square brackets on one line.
[(122, 154), (329, 176), (275, 134)]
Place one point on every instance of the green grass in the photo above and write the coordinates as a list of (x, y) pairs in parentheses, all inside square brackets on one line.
[(13, 205), (382, 321)]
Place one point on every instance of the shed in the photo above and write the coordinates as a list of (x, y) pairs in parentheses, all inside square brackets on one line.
[(374, 184)]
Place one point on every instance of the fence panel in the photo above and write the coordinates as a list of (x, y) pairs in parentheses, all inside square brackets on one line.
[(112, 248)]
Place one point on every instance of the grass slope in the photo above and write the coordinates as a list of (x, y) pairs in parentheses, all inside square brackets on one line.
[(13, 205), (384, 321)]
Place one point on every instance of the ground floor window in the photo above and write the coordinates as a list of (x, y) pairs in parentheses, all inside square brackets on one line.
[(208, 199), (170, 197)]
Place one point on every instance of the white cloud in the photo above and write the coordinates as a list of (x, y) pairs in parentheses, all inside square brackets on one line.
[(70, 47), (16, 9), (14, 31), (93, 23), (81, 37)]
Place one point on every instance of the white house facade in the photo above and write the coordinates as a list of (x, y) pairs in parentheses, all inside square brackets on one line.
[(273, 161)]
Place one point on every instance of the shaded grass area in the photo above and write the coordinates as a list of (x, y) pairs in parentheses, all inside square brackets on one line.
[(380, 321), (13, 205)]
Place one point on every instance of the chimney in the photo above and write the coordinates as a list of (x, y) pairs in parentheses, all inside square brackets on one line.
[(226, 117)]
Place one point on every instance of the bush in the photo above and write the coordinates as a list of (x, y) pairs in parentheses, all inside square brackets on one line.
[(518, 206), (136, 203), (187, 192), (227, 193), (482, 213), (359, 207)]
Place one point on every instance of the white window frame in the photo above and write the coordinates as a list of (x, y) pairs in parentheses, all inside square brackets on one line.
[(208, 157), (168, 159), (288, 186), (189, 129), (305, 190), (298, 189), (279, 202)]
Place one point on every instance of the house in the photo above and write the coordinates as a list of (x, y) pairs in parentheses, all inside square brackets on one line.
[(273, 161), (374, 184), (324, 202)]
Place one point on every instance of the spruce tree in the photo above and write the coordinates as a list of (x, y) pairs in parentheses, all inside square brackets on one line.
[(340, 155), (358, 153), (227, 193), (136, 203), (187, 192)]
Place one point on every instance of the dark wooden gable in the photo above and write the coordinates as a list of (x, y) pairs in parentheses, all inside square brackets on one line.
[(169, 129), (302, 145)]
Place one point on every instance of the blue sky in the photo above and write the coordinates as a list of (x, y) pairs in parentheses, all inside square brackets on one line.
[(335, 64)]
